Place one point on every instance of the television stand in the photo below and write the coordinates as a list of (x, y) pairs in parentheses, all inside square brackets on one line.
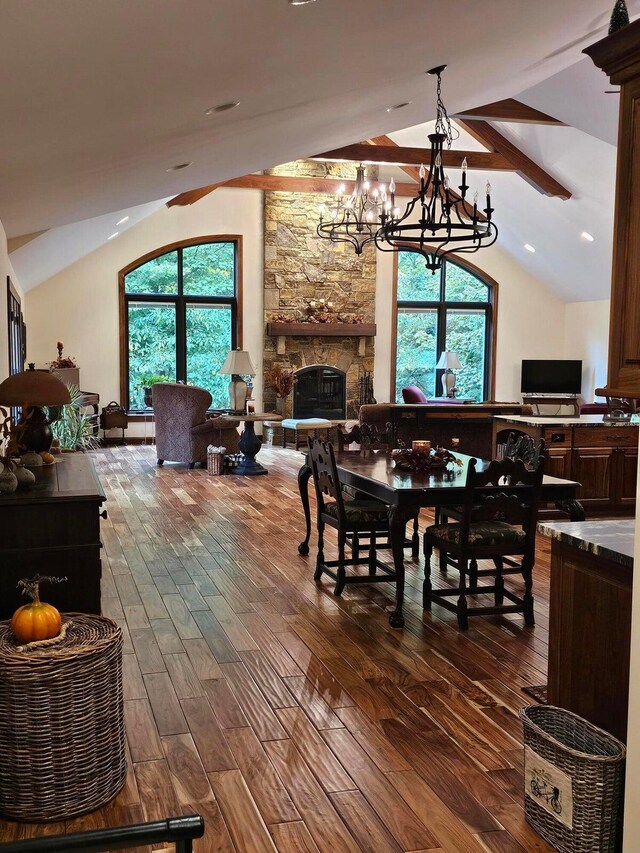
[(538, 400)]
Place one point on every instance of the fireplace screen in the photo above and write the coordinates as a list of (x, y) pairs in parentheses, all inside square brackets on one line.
[(320, 392)]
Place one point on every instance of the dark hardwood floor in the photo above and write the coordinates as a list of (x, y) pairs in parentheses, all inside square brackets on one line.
[(290, 719)]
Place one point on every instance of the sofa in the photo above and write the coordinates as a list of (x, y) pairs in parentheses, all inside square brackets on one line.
[(183, 430), (472, 423)]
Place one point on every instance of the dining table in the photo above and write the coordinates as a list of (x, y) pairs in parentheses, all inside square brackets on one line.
[(374, 473)]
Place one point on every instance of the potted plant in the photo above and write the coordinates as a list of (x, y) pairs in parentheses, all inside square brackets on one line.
[(146, 381), (65, 368), (282, 381), (71, 426)]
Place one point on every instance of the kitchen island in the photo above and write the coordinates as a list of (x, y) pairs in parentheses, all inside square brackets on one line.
[(590, 619), (601, 455)]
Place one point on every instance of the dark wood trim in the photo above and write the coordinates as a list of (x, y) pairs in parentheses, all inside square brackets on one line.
[(163, 250), (534, 174), (493, 318), (618, 55), (409, 156), (509, 110), (322, 330)]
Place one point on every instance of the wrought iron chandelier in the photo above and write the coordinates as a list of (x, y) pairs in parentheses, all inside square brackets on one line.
[(438, 220), (355, 218)]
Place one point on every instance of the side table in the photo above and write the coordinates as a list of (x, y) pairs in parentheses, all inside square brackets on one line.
[(62, 739), (250, 444)]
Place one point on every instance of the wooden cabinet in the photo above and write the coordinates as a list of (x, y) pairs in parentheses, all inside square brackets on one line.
[(54, 529), (594, 469), (588, 656), (603, 458), (627, 475), (559, 462)]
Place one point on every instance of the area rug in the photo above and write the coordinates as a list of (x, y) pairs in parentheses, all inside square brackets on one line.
[(539, 693)]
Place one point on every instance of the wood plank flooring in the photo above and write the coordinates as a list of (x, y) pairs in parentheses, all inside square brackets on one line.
[(290, 719)]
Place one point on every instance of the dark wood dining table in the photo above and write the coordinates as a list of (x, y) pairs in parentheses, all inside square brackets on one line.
[(375, 474)]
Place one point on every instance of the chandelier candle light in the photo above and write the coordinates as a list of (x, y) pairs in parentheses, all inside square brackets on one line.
[(438, 221), (355, 218)]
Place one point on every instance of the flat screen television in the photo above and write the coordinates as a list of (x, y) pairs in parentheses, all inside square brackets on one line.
[(542, 376)]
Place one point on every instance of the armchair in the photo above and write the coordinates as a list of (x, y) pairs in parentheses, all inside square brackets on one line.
[(183, 431)]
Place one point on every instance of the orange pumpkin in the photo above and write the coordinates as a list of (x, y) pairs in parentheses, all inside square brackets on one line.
[(36, 620)]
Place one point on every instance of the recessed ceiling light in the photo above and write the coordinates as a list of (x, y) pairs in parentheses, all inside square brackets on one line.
[(123, 220), (588, 237), (529, 247), (398, 106), (111, 236), (300, 2), (222, 108), (179, 166)]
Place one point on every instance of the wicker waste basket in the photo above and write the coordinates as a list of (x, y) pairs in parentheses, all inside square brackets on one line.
[(62, 736), (215, 456), (573, 779)]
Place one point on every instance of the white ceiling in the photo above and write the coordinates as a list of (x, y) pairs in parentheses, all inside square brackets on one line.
[(101, 97)]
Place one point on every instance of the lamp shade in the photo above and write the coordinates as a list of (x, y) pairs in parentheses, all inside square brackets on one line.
[(33, 388), (238, 362), (448, 360)]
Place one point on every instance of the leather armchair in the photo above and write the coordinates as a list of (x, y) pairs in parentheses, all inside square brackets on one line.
[(183, 431)]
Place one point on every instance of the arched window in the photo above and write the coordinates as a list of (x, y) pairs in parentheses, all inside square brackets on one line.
[(179, 316), (451, 310)]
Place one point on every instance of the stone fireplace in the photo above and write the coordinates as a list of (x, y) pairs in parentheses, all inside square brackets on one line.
[(299, 268), (320, 392)]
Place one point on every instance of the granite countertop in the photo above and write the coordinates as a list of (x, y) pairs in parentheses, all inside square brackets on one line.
[(563, 421), (611, 539)]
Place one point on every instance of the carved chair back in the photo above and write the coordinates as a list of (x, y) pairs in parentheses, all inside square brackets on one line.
[(507, 491), (368, 436), (325, 474), (525, 448)]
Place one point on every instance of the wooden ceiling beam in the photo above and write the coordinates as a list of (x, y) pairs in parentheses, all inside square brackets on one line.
[(535, 175), (398, 155), (414, 173), (280, 183), (509, 110)]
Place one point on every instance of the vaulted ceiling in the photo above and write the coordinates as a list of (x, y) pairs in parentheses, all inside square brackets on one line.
[(105, 97), (101, 98)]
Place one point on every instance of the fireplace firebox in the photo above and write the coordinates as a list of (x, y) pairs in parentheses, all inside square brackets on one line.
[(320, 392)]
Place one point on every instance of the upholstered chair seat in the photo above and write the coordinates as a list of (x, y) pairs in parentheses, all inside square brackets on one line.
[(480, 533), (359, 510)]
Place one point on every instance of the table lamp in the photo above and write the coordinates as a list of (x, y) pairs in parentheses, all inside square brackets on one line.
[(236, 363), (31, 390), (448, 362)]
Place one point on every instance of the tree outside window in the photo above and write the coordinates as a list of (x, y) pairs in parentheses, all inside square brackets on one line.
[(180, 310), (450, 310)]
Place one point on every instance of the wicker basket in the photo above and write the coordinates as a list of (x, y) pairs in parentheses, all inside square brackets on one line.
[(214, 462), (62, 737), (573, 780)]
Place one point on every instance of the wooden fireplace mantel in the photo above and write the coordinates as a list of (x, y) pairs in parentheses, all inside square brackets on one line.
[(321, 330)]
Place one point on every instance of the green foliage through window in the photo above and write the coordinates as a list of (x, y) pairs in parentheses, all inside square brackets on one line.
[(431, 319), (181, 311)]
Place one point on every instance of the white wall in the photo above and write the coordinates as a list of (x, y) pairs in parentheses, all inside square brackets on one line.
[(530, 321), (80, 304), (586, 336), (6, 270)]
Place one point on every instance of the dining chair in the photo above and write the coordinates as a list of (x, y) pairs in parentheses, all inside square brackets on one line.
[(517, 446), (348, 517), (498, 522), (370, 437)]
